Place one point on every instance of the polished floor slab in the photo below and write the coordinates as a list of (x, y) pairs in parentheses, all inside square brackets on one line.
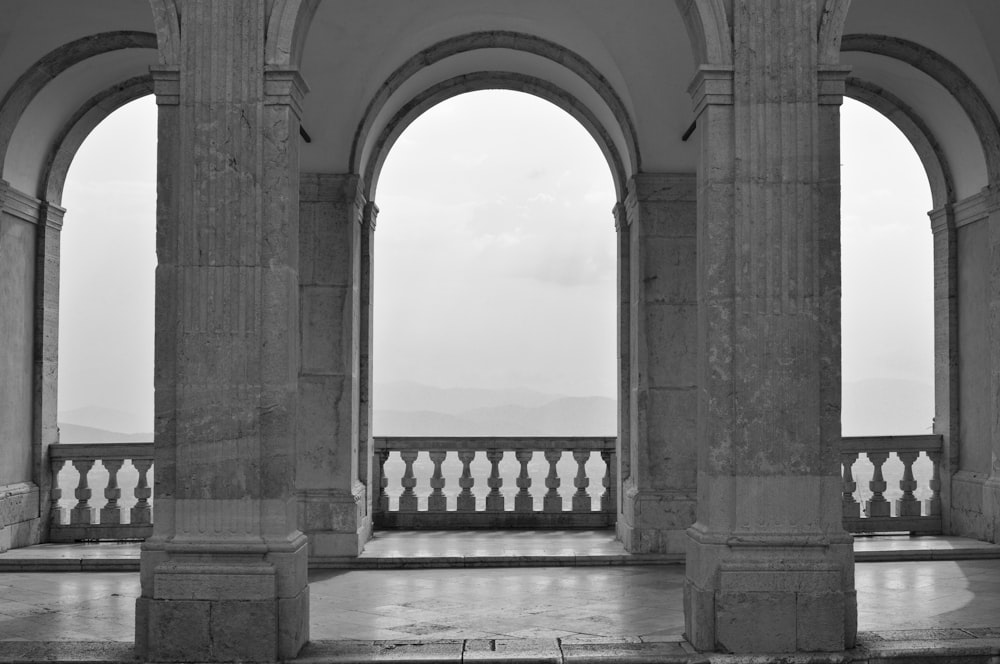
[(573, 604)]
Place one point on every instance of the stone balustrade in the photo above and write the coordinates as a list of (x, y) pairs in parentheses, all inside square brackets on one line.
[(494, 482), (866, 506), (115, 517)]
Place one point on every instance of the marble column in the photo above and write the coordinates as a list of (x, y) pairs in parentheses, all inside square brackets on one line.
[(224, 576), (658, 496), (769, 566), (331, 477)]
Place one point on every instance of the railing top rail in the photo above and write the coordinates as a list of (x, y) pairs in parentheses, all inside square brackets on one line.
[(862, 444), (73, 451), (506, 443)]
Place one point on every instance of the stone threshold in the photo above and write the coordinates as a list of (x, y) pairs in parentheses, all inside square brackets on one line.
[(944, 646)]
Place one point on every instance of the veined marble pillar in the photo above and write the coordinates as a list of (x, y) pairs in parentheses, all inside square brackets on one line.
[(658, 495), (769, 566), (224, 577), (331, 479)]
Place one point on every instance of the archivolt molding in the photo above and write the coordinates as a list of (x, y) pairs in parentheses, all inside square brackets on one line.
[(513, 41), (949, 76), (88, 116), (287, 28), (167, 20), (931, 154), (54, 63), (489, 80), (831, 30), (709, 29)]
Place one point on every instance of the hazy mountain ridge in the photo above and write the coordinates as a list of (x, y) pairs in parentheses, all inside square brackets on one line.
[(566, 416), (870, 407)]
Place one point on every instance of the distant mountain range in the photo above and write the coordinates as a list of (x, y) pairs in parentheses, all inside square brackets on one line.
[(870, 407)]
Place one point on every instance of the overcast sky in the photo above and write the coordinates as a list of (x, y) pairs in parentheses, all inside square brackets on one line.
[(495, 255)]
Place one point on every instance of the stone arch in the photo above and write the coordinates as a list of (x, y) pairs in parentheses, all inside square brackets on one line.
[(709, 29), (52, 65), (502, 40), (907, 120), (955, 81), (168, 30), (287, 28), (831, 30), (87, 117), (487, 80)]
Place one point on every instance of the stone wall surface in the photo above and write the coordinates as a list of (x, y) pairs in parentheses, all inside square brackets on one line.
[(769, 567), (658, 497), (333, 502), (224, 575)]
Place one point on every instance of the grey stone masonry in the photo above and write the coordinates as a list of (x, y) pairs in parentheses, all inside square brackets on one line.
[(769, 566), (224, 575)]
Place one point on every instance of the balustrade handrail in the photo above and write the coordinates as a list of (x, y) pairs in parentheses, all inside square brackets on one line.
[(864, 444), (71, 451), (488, 443)]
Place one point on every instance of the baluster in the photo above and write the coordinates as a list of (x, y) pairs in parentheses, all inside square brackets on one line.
[(436, 502), (56, 511), (382, 482), (581, 499), (907, 504), (111, 513), (142, 511), (851, 507), (933, 504), (494, 499), (82, 513), (608, 497), (466, 500), (552, 501), (877, 505), (522, 500), (408, 499)]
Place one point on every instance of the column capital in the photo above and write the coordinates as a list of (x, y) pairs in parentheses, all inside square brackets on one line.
[(712, 85), (284, 86), (831, 80), (942, 219), (166, 84), (51, 215)]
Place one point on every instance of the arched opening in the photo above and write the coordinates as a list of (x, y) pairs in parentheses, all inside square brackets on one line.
[(107, 263), (494, 287), (888, 268)]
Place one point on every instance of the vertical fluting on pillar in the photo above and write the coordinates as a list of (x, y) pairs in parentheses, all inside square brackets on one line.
[(224, 576), (769, 567)]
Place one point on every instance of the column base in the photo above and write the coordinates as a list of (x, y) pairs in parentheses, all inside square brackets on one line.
[(770, 593), (20, 524), (975, 506), (336, 522), (215, 602), (655, 521)]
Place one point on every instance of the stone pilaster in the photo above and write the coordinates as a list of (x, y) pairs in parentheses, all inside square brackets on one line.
[(769, 566), (365, 374), (623, 451), (658, 498), (224, 575), (332, 498), (946, 379), (46, 352)]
